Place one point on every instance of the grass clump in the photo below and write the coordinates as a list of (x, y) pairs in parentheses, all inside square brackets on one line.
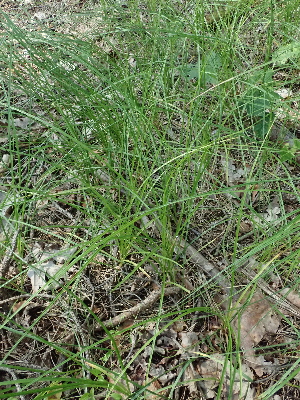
[(143, 146)]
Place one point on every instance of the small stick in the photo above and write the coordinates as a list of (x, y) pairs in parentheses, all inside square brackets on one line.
[(4, 267), (26, 296), (133, 311), (206, 266), (14, 376)]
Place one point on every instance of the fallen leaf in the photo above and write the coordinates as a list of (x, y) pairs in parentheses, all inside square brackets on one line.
[(291, 295), (152, 388), (23, 122), (50, 265), (233, 174), (190, 345), (192, 380), (40, 15), (251, 326), (18, 305), (212, 371), (156, 371), (245, 226), (271, 214), (284, 92)]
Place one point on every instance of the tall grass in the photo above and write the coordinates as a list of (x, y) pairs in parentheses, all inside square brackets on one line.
[(152, 98)]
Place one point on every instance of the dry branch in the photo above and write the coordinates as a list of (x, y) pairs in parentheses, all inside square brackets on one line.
[(4, 266), (137, 309)]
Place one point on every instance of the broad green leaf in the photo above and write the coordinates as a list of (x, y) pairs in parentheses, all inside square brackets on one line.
[(262, 127), (206, 69), (258, 101), (287, 52)]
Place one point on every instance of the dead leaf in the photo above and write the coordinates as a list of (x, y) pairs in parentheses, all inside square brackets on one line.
[(212, 373), (152, 388), (132, 62), (192, 379), (178, 326), (190, 345), (40, 15), (50, 264), (156, 371), (272, 213), (18, 305), (23, 122), (291, 295), (245, 226), (67, 66), (284, 92), (251, 326), (233, 174), (254, 192), (4, 164)]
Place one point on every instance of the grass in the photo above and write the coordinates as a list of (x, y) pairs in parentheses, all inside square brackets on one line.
[(160, 100)]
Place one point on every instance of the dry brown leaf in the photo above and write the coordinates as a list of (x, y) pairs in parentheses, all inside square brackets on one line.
[(190, 345), (154, 387), (178, 326), (291, 295), (18, 305), (192, 380), (245, 226), (233, 174), (212, 371), (251, 326)]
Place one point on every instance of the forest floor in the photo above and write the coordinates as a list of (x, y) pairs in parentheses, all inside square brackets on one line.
[(150, 198)]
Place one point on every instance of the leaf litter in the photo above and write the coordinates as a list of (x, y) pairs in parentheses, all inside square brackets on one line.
[(48, 272), (256, 321)]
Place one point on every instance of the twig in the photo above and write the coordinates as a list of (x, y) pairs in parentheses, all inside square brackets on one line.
[(25, 296), (4, 267), (140, 307), (206, 266), (15, 378)]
